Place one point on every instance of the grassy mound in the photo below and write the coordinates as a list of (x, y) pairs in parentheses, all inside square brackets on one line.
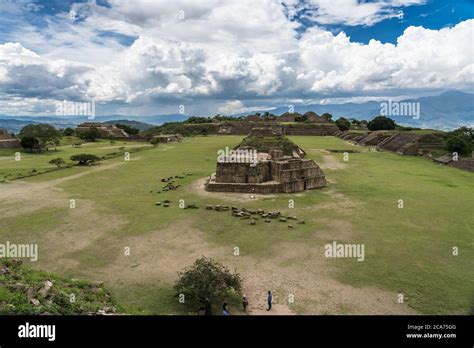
[(265, 144), (27, 291)]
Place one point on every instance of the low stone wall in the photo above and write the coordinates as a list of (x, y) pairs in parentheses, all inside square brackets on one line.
[(263, 188), (10, 144), (245, 128), (242, 172), (466, 163)]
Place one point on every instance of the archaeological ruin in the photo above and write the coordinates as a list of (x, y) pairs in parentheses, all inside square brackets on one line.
[(7, 141), (266, 162)]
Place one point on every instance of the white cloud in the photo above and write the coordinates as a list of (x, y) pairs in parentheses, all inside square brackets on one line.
[(350, 12), (220, 52)]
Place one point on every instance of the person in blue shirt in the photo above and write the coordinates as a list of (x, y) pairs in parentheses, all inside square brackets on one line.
[(225, 311), (270, 297)]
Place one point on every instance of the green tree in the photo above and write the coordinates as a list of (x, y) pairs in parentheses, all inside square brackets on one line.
[(343, 124), (129, 129), (327, 116), (85, 159), (198, 119), (155, 142), (206, 283), (29, 143), (381, 123), (458, 143), (58, 162), (68, 132), (90, 135), (301, 118), (45, 134)]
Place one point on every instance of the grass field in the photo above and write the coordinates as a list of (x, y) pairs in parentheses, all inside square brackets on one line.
[(32, 163), (408, 250)]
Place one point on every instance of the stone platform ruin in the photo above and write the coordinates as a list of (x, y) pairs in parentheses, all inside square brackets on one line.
[(271, 172)]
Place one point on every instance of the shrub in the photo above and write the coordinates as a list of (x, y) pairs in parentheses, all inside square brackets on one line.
[(44, 134), (58, 162), (458, 143), (68, 131), (128, 129), (29, 143), (206, 283), (381, 123), (343, 124), (90, 135), (85, 159)]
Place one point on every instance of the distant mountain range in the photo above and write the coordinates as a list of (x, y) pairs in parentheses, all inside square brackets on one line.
[(16, 123), (446, 111)]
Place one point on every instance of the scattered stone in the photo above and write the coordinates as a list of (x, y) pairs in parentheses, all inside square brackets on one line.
[(45, 289), (253, 222), (158, 203), (283, 219), (302, 222), (290, 226), (268, 220), (166, 205), (209, 207), (35, 302)]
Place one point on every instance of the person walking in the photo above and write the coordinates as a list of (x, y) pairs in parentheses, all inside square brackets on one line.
[(269, 299), (245, 303), (225, 311)]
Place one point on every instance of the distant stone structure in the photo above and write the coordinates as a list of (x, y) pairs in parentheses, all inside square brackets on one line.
[(7, 141), (105, 130), (269, 172), (168, 138), (298, 128), (267, 131)]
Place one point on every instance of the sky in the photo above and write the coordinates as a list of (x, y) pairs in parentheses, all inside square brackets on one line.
[(204, 57)]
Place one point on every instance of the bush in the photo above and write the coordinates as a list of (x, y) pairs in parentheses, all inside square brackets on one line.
[(85, 159), (44, 134), (343, 124), (58, 162), (327, 116), (68, 131), (90, 135), (206, 283), (29, 143), (381, 123), (128, 129), (458, 143)]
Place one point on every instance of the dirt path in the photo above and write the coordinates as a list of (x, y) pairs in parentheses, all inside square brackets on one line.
[(330, 162)]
